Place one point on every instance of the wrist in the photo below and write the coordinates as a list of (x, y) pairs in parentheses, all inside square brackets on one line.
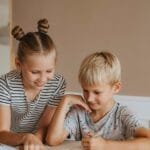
[(66, 103), (25, 136), (105, 144), (41, 133)]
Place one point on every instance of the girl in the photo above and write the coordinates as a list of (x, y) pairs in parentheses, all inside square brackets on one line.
[(29, 95)]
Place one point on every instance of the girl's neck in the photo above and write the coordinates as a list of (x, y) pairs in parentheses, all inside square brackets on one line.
[(31, 95)]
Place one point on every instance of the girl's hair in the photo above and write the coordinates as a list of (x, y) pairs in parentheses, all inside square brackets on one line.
[(33, 42), (100, 67)]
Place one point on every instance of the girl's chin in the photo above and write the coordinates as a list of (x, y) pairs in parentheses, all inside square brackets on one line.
[(39, 87)]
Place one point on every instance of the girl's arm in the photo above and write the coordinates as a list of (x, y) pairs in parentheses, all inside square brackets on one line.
[(56, 132), (7, 137), (10, 138), (44, 122)]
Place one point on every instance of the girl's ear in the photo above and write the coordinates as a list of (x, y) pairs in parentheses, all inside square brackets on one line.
[(117, 87), (17, 63)]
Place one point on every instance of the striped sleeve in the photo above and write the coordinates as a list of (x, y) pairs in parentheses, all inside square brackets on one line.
[(59, 92), (4, 92)]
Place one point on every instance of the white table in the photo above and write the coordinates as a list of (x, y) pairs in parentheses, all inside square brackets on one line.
[(67, 145)]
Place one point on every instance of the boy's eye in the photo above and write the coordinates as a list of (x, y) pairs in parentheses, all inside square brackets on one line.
[(97, 92), (85, 91)]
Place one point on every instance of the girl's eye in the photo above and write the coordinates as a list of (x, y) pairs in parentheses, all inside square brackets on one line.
[(35, 72), (49, 71)]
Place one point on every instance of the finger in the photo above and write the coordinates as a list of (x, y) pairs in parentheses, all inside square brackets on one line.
[(37, 147), (21, 147), (31, 147), (85, 142), (43, 148), (25, 147), (89, 134), (84, 105)]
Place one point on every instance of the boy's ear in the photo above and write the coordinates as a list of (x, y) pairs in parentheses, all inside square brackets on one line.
[(117, 87)]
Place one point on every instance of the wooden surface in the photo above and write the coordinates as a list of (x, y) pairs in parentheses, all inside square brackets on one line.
[(67, 145)]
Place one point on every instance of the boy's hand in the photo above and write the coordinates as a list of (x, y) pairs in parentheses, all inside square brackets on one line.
[(76, 100), (89, 142)]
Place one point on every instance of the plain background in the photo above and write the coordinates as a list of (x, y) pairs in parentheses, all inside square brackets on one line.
[(80, 27)]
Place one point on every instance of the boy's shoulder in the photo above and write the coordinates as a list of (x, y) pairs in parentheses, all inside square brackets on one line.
[(123, 111), (77, 111)]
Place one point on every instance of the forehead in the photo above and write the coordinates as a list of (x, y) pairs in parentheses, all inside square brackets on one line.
[(40, 60), (96, 86)]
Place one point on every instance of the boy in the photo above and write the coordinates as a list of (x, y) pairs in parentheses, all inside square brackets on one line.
[(100, 122)]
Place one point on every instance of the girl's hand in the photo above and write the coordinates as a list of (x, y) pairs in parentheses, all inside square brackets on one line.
[(31, 142), (89, 142), (76, 100)]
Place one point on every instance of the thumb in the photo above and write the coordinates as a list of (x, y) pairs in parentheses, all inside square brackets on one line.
[(89, 134)]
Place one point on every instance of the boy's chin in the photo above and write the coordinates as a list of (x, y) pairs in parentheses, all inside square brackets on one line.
[(96, 108)]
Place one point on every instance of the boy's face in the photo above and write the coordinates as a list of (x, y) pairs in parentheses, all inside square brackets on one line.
[(100, 97)]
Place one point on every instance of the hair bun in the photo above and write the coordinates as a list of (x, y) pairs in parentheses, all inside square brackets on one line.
[(17, 32), (43, 25)]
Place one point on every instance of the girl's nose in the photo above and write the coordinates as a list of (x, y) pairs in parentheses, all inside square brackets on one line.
[(43, 78)]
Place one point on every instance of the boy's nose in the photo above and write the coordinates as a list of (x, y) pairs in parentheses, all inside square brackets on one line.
[(90, 98)]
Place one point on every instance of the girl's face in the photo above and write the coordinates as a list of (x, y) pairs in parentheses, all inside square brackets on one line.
[(36, 70), (100, 97)]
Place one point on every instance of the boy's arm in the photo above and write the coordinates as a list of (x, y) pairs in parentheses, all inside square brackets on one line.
[(140, 143), (56, 131), (142, 132)]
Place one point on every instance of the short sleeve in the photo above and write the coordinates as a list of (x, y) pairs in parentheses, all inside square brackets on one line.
[(59, 92), (71, 124), (130, 122), (4, 93)]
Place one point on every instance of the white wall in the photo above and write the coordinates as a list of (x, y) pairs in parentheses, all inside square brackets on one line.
[(4, 59), (4, 37)]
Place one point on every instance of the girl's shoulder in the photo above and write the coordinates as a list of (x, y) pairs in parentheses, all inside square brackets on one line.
[(10, 76), (57, 79)]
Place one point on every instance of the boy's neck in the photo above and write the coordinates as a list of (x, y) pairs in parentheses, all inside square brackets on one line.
[(99, 114)]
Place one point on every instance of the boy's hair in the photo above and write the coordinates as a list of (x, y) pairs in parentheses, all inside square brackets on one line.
[(100, 67), (33, 42)]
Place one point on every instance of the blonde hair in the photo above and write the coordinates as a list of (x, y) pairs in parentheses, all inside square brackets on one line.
[(100, 67)]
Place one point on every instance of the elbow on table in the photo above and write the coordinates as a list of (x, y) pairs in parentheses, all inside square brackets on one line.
[(52, 141)]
